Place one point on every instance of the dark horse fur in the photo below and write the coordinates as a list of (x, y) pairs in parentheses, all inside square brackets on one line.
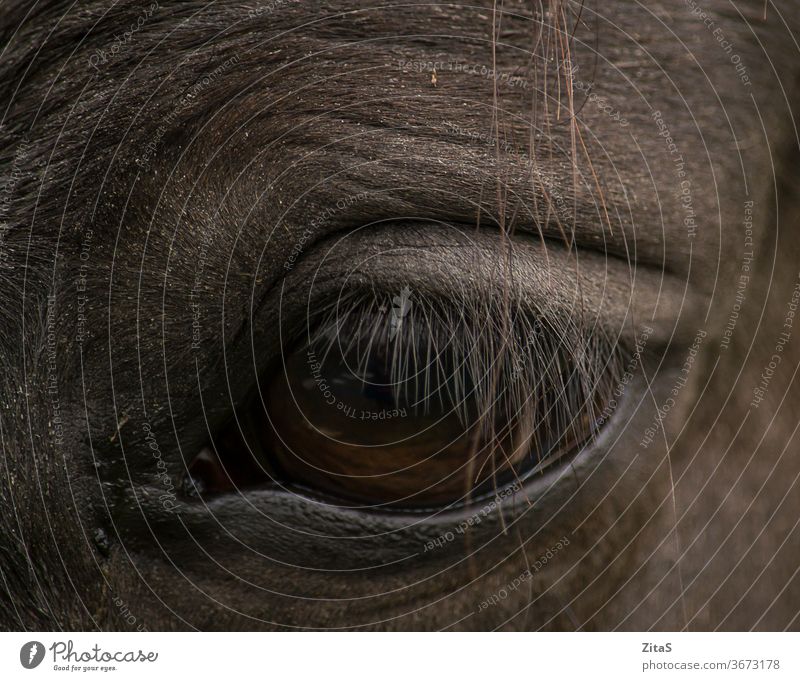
[(176, 176)]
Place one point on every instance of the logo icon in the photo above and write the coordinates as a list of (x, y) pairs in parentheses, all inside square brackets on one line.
[(31, 654)]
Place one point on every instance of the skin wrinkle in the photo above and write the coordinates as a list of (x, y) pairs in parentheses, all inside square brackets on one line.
[(234, 183)]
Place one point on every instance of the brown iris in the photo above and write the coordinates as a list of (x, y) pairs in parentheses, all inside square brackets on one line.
[(341, 423)]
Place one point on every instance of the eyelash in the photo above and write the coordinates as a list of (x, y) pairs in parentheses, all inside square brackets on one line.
[(511, 363)]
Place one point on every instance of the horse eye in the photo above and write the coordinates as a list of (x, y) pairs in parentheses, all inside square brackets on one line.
[(416, 413)]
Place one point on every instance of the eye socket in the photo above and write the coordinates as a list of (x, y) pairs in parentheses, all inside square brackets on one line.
[(408, 403)]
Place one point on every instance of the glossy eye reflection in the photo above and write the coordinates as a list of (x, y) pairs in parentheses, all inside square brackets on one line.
[(417, 405), (347, 424)]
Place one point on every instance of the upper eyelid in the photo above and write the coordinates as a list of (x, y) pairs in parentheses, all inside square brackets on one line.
[(445, 261)]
